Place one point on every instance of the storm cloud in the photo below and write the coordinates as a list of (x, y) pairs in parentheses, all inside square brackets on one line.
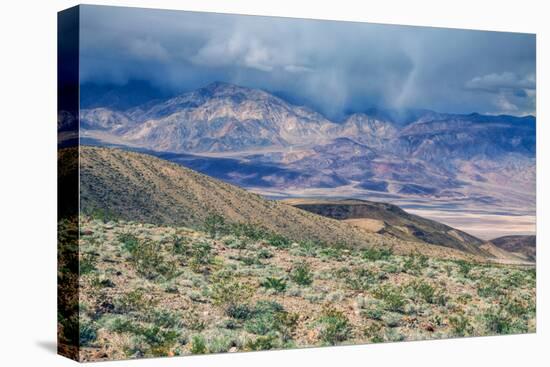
[(334, 67)]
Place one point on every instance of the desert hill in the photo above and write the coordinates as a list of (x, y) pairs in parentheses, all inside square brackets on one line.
[(390, 219), (139, 187)]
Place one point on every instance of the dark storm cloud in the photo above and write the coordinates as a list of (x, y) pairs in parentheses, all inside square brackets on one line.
[(335, 67)]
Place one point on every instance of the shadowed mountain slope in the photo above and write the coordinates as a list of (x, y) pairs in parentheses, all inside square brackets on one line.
[(387, 218), (523, 245)]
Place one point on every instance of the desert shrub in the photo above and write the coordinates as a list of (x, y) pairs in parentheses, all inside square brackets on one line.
[(262, 343), (334, 326), (159, 340), (146, 257), (248, 230), (227, 291), (301, 274), (201, 256), (264, 318), (373, 332), (279, 241), (373, 310), (198, 345), (375, 254), (166, 319), (87, 334), (285, 324), (499, 322), (264, 254), (309, 248), (517, 307), (415, 263), (464, 267), (87, 263), (181, 246), (330, 252), (427, 292), (460, 325), (391, 296), (239, 312), (358, 279), (192, 319), (134, 301), (215, 225), (489, 287), (129, 241), (153, 340), (277, 284)]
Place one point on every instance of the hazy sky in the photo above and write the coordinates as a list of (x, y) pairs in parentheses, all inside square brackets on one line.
[(335, 67)]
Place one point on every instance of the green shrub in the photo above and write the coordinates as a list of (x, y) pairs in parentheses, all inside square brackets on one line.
[(415, 263), (129, 242), (239, 312), (464, 267), (285, 324), (264, 254), (215, 225), (134, 301), (278, 241), (427, 293), (489, 287), (334, 326), (146, 257), (331, 253), (460, 325), (264, 318), (359, 279), (262, 343), (227, 291), (192, 319), (181, 246), (375, 254), (277, 284), (201, 257), (198, 345), (87, 264), (301, 274), (159, 340), (391, 296), (88, 333)]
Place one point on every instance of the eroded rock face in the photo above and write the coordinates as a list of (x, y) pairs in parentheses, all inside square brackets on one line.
[(286, 147)]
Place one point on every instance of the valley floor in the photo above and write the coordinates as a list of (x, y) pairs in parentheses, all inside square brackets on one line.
[(150, 290)]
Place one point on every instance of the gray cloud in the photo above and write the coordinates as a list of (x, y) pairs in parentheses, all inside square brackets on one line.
[(335, 67)]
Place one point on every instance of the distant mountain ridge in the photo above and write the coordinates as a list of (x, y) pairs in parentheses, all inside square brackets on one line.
[(478, 158)]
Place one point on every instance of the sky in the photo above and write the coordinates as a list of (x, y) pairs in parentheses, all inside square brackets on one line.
[(334, 67)]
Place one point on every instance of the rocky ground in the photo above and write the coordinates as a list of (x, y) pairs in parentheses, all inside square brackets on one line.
[(149, 290)]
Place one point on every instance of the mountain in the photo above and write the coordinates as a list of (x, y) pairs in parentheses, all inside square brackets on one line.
[(139, 187), (469, 162), (526, 246), (387, 218)]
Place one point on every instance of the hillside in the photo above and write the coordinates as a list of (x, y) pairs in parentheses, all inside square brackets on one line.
[(388, 218), (525, 246), (139, 187)]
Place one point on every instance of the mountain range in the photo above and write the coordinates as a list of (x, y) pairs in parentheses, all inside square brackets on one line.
[(259, 141)]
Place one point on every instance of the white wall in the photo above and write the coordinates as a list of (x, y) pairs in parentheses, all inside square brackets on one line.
[(28, 181)]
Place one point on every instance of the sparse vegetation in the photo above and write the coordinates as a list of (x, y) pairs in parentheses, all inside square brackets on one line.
[(301, 274), (176, 290)]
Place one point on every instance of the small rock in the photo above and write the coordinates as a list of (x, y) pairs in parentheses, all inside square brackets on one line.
[(232, 350)]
